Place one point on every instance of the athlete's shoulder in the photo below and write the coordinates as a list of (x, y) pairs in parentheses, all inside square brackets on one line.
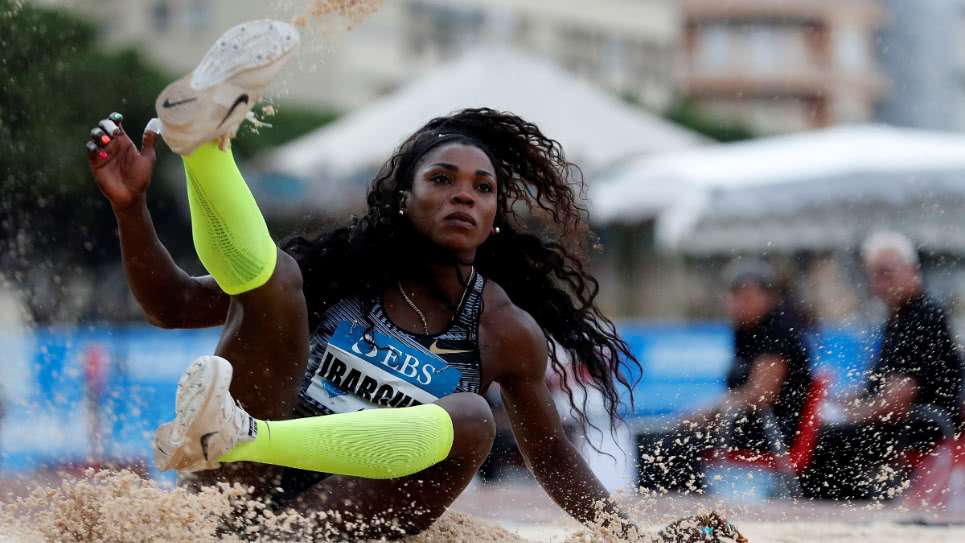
[(500, 311), (510, 334)]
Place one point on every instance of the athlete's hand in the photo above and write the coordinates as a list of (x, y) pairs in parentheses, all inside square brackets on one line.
[(123, 172)]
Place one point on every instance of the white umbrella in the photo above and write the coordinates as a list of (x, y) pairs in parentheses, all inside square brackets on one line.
[(594, 127), (742, 185)]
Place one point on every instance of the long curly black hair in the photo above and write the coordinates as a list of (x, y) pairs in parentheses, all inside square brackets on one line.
[(541, 268)]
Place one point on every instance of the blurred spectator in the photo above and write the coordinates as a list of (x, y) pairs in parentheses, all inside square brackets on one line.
[(767, 384), (914, 385)]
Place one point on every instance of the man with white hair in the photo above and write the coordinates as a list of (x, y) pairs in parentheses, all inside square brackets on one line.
[(918, 370)]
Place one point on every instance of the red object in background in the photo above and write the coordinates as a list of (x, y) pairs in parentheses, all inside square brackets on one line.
[(801, 450), (798, 454), (95, 369), (933, 472), (96, 363)]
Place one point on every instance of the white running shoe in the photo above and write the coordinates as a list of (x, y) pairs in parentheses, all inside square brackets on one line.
[(211, 102), (207, 421)]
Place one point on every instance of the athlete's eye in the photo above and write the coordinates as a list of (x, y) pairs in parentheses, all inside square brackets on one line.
[(440, 179), (486, 187)]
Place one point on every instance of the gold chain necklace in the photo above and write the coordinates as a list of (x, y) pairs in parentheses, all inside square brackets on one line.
[(422, 317)]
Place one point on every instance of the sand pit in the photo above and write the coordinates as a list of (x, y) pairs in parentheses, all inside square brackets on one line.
[(122, 507)]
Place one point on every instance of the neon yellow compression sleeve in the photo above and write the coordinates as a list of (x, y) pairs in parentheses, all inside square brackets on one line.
[(230, 234), (375, 444)]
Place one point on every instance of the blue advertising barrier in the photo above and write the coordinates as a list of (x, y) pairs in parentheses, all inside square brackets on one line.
[(84, 395), (90, 394)]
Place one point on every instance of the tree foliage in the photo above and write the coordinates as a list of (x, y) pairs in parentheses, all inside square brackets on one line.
[(688, 114), (56, 82)]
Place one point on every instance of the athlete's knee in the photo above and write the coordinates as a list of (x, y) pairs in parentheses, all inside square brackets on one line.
[(473, 423), (284, 284), (287, 275)]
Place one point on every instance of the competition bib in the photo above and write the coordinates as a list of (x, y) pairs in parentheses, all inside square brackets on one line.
[(362, 370)]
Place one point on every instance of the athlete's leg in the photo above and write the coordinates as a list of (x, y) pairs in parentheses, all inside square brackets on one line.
[(265, 336), (370, 508), (353, 443), (265, 341)]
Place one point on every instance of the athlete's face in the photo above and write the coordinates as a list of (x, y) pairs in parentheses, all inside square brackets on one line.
[(453, 198)]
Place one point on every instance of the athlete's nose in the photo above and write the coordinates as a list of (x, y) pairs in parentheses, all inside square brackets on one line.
[(463, 197)]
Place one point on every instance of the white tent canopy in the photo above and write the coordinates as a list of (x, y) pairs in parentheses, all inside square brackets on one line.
[(594, 127), (815, 190)]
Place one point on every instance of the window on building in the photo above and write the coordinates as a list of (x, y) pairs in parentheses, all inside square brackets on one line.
[(851, 49), (161, 15), (714, 47), (960, 41), (776, 48), (764, 48), (198, 14), (615, 66), (445, 30), (582, 50)]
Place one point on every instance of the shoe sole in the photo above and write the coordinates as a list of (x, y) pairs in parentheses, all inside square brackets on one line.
[(243, 62), (250, 45), (203, 385), (178, 104)]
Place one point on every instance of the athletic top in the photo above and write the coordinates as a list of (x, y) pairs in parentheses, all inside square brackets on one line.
[(356, 363)]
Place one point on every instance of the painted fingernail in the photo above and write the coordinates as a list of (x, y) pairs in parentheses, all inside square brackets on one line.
[(91, 147), (101, 155), (154, 125), (109, 127), (116, 117), (96, 133), (105, 139)]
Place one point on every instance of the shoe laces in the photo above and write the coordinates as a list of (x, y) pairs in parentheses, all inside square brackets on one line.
[(240, 421)]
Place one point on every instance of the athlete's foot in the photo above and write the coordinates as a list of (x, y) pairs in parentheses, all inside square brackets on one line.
[(207, 424), (211, 102)]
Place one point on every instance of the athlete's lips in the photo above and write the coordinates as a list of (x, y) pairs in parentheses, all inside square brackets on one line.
[(461, 217)]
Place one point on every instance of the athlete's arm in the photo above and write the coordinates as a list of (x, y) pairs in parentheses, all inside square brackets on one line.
[(169, 297), (521, 347)]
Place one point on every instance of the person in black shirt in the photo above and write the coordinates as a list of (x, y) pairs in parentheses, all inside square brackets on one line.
[(918, 370), (770, 375)]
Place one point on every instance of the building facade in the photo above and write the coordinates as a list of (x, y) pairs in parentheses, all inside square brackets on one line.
[(922, 51), (782, 65), (627, 46)]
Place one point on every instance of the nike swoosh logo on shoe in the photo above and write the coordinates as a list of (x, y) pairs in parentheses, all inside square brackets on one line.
[(436, 349), (204, 444), (243, 99), (169, 104)]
